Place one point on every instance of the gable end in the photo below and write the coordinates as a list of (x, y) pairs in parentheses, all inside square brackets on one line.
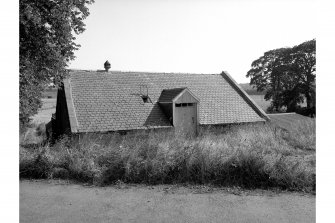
[(70, 106), (244, 95)]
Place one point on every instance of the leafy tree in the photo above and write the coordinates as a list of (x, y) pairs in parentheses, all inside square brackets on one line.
[(303, 60), (287, 75), (47, 30)]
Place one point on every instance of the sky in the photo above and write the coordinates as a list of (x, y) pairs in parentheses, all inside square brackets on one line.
[(199, 36)]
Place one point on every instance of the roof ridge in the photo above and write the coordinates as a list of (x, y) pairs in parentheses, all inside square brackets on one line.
[(138, 72), (170, 89), (284, 113)]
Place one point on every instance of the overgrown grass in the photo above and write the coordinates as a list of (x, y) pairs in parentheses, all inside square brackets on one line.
[(249, 156)]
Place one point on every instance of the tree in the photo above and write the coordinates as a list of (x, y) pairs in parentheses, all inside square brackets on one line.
[(47, 30), (303, 60), (287, 75)]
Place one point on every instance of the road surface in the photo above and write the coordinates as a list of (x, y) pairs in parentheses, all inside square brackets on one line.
[(45, 201)]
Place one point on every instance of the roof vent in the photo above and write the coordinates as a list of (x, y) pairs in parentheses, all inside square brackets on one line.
[(144, 94), (107, 65), (146, 99)]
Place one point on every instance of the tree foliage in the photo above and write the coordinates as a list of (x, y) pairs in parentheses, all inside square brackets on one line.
[(287, 75), (47, 35)]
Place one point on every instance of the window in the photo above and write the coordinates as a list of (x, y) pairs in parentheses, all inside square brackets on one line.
[(184, 104)]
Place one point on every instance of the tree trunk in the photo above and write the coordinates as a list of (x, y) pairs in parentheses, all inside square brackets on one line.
[(309, 100), (308, 92)]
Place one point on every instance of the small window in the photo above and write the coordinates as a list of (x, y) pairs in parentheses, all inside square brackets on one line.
[(190, 104), (178, 105), (183, 104)]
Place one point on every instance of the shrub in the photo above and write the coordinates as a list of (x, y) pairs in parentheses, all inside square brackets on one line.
[(34, 164)]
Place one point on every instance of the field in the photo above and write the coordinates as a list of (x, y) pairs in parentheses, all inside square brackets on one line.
[(250, 90), (50, 93), (260, 101), (45, 113), (290, 121), (49, 99)]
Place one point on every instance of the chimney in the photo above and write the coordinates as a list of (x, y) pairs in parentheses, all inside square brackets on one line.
[(107, 65)]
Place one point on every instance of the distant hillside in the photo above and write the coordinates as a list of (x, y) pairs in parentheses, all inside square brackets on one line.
[(50, 93), (250, 90)]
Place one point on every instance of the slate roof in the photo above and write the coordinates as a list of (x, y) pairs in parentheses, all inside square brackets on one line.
[(110, 101), (169, 94)]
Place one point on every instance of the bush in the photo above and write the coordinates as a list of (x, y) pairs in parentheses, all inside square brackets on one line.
[(310, 112), (34, 165), (250, 156)]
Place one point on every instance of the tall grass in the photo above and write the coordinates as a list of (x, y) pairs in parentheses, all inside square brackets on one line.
[(250, 156), (302, 135)]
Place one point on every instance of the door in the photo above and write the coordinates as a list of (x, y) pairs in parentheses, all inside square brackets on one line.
[(185, 118)]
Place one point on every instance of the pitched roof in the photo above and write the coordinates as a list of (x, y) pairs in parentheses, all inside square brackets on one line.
[(169, 94), (109, 101)]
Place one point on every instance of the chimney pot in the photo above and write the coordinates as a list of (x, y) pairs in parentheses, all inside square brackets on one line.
[(107, 65)]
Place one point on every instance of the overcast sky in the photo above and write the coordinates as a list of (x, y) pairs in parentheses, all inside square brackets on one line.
[(200, 36)]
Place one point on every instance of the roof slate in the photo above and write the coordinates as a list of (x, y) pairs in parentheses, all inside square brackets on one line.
[(169, 94), (110, 101)]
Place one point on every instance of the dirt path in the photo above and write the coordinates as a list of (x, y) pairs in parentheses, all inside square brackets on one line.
[(45, 201)]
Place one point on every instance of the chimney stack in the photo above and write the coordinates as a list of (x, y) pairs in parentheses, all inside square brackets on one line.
[(107, 65)]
